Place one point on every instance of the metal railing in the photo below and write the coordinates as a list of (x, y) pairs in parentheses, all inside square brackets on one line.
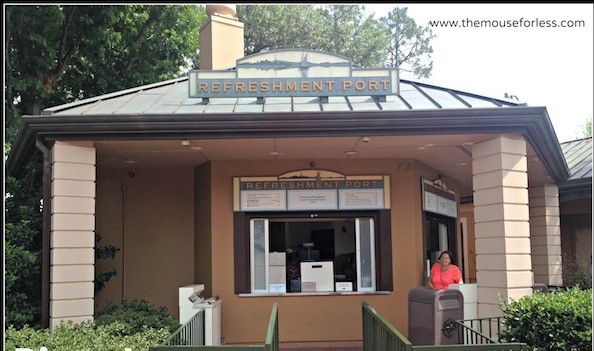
[(480, 330), (179, 339), (190, 333), (380, 335)]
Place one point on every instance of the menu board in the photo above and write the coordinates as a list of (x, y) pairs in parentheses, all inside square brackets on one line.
[(361, 198), (303, 194), (263, 200), (439, 200)]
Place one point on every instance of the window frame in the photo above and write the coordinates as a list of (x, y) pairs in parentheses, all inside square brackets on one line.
[(382, 243)]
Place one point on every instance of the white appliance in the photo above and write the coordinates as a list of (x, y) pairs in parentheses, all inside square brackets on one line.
[(186, 311), (321, 273), (277, 262)]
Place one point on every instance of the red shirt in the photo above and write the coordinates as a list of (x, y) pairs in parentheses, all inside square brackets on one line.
[(442, 280)]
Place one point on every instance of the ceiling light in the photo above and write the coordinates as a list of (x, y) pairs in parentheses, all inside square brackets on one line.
[(351, 153), (185, 142), (275, 153), (365, 139), (129, 161), (196, 147)]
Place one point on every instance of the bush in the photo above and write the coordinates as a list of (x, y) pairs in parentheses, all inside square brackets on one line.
[(84, 336), (561, 320), (135, 315)]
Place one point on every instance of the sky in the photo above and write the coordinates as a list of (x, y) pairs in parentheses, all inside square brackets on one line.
[(542, 66)]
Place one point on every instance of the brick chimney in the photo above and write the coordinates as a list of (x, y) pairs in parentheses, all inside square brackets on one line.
[(221, 38)]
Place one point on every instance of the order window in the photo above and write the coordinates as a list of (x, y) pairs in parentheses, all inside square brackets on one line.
[(312, 255)]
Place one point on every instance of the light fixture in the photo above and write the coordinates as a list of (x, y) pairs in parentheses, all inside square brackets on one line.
[(365, 139), (194, 147), (185, 142), (130, 162), (275, 153), (352, 152)]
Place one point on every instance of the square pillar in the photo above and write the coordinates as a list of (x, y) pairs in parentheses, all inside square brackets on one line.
[(72, 254), (545, 234), (502, 229)]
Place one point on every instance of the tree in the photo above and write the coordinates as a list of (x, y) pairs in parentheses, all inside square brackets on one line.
[(352, 33), (271, 27), (57, 54), (410, 48), (341, 29)]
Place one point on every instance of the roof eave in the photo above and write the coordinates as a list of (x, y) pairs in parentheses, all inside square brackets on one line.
[(532, 122)]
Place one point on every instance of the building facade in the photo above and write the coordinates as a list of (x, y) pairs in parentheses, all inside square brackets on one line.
[(291, 177)]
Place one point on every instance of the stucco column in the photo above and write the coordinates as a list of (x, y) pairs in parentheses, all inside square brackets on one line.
[(72, 233), (502, 230), (545, 234)]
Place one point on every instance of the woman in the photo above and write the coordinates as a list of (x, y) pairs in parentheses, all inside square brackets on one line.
[(444, 273)]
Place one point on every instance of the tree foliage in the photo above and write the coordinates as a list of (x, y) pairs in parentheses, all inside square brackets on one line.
[(23, 225), (59, 54), (56, 54), (410, 47), (392, 41)]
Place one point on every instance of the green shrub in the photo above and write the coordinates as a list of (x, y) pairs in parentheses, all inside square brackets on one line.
[(85, 336), (136, 315), (561, 320)]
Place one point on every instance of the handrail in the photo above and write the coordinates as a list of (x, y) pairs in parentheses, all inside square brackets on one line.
[(469, 335), (379, 334), (271, 343), (476, 326), (190, 333)]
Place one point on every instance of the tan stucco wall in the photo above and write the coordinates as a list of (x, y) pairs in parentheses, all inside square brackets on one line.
[(179, 231), (311, 318), (158, 245)]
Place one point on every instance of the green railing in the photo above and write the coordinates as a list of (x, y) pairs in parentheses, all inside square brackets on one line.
[(190, 333), (380, 335), (270, 344), (479, 330)]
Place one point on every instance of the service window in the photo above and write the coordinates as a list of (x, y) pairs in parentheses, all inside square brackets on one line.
[(295, 253)]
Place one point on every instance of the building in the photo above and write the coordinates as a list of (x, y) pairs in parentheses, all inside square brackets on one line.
[(291, 177), (575, 206)]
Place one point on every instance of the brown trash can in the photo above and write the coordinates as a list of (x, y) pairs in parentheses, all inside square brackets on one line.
[(431, 313)]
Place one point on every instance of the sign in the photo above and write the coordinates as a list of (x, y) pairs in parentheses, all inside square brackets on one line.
[(437, 198), (361, 198), (303, 193), (344, 286), (286, 73), (263, 200), (312, 200)]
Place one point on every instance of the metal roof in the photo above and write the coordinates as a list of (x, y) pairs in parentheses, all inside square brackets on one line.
[(171, 97), (578, 155)]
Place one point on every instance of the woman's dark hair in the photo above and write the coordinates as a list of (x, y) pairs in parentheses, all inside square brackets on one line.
[(449, 254)]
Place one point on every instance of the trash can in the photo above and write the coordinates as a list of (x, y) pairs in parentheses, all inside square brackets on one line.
[(431, 316)]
